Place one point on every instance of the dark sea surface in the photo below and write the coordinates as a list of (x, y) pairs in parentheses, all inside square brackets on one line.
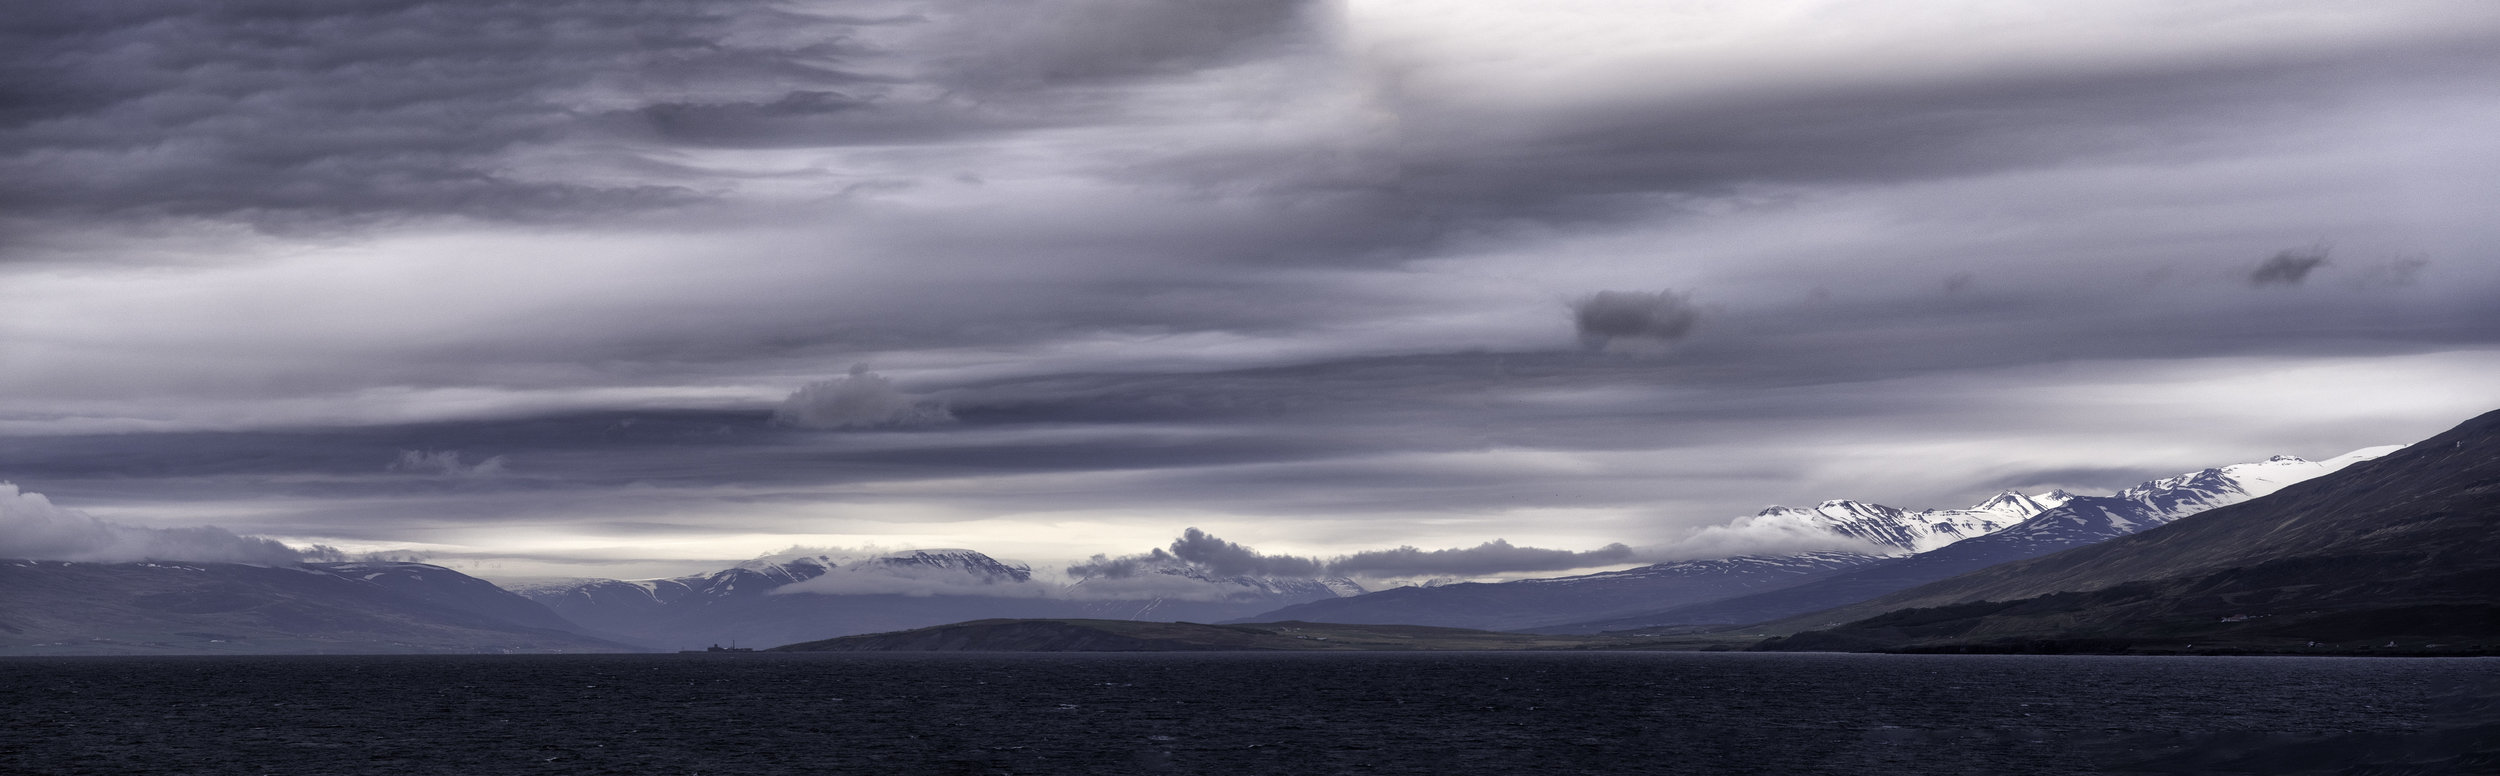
[(1437, 713)]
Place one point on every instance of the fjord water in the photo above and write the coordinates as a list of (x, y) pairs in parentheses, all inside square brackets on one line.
[(1245, 713)]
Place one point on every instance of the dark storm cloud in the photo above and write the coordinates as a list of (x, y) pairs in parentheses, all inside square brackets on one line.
[(1111, 238), (1217, 556), (1454, 167), (305, 112), (806, 119), (1019, 45), (1303, 438), (281, 112), (1606, 316), (1230, 559), (2288, 268)]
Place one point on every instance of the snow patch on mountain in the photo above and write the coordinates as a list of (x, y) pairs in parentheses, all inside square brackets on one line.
[(908, 572), (2092, 519), (1849, 525)]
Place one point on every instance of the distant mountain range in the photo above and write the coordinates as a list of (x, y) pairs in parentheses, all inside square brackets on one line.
[(65, 608), (785, 599), (2399, 553)]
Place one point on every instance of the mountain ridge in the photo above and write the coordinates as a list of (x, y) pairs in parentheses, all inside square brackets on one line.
[(168, 608), (2078, 521), (2400, 546)]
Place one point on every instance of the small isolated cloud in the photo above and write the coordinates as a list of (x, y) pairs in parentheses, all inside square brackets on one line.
[(1493, 557), (862, 399), (2397, 272), (445, 463), (1606, 317), (32, 527), (2288, 268)]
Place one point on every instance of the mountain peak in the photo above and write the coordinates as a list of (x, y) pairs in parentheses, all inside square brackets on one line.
[(2008, 501)]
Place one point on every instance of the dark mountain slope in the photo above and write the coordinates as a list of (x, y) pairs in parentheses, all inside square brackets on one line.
[(2076, 522), (450, 589), (2405, 547), (2085, 520), (1533, 603), (63, 608)]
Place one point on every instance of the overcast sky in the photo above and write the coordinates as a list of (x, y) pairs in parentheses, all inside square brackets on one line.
[(625, 288)]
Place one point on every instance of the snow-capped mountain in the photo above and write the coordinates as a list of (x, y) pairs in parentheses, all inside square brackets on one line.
[(966, 562), (2195, 492), (2077, 521), (2091, 519), (1906, 531), (2400, 547)]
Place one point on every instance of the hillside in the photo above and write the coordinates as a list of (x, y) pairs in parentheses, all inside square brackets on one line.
[(2074, 522), (2401, 549), (172, 608)]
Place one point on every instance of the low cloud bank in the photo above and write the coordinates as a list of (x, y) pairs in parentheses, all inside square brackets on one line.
[(1203, 551), (32, 527), (967, 573), (862, 399), (1785, 533)]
